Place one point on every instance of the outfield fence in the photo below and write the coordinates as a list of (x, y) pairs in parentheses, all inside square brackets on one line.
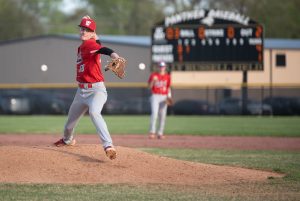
[(131, 99)]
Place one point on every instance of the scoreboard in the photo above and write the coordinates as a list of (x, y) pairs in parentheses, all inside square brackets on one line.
[(200, 47)]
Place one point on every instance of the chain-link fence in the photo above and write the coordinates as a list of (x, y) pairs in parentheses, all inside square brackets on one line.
[(261, 100)]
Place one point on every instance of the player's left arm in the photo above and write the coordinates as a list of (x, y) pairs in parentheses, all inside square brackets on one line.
[(98, 49), (107, 51), (169, 81), (117, 63)]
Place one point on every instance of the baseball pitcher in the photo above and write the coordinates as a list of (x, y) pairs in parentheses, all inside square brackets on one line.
[(91, 94)]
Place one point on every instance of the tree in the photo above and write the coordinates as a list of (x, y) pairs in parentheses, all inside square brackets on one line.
[(134, 17), (15, 22), (175, 6), (280, 19), (23, 18)]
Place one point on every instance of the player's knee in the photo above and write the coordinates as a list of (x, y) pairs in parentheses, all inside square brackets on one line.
[(94, 113)]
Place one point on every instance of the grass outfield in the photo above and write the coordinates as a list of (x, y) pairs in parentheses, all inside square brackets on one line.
[(287, 162), (181, 125), (45, 192)]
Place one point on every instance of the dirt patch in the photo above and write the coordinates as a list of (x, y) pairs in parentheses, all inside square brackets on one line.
[(87, 163), (172, 141)]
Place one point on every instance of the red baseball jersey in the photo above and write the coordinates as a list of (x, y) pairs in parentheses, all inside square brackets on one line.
[(162, 84), (88, 64)]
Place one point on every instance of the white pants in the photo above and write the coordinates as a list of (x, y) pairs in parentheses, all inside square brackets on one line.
[(158, 110), (92, 100)]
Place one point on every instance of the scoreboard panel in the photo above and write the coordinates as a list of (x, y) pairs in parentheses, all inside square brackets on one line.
[(231, 47)]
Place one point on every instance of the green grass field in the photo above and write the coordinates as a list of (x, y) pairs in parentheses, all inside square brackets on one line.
[(287, 162), (46, 192), (179, 125)]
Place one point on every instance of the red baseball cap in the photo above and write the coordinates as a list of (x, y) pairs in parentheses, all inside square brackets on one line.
[(88, 23)]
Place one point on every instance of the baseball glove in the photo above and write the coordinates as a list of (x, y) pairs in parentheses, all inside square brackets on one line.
[(117, 66), (169, 101)]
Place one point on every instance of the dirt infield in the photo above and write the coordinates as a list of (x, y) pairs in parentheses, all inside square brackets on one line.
[(33, 159), (87, 163), (172, 141)]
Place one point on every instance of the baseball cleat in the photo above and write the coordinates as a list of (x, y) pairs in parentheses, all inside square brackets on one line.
[(111, 153), (61, 143), (161, 137), (152, 136)]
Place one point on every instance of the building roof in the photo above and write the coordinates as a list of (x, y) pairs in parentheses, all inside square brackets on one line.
[(134, 40), (145, 41), (273, 43), (120, 39)]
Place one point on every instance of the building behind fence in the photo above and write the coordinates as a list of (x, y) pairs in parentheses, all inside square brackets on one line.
[(25, 88)]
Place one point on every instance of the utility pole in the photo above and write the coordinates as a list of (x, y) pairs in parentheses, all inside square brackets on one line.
[(245, 92)]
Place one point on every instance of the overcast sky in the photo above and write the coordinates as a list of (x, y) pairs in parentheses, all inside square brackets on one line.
[(68, 6)]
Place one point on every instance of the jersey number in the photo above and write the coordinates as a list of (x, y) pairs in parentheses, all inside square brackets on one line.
[(81, 68)]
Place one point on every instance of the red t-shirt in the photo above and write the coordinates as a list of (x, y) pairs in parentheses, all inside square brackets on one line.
[(88, 64), (162, 84)]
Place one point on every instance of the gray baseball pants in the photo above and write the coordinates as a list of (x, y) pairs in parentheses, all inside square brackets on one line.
[(92, 100), (158, 112)]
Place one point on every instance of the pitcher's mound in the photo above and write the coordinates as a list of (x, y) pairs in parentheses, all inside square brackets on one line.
[(88, 164)]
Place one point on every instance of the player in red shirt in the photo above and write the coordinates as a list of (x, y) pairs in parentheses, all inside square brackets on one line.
[(91, 94), (159, 83)]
